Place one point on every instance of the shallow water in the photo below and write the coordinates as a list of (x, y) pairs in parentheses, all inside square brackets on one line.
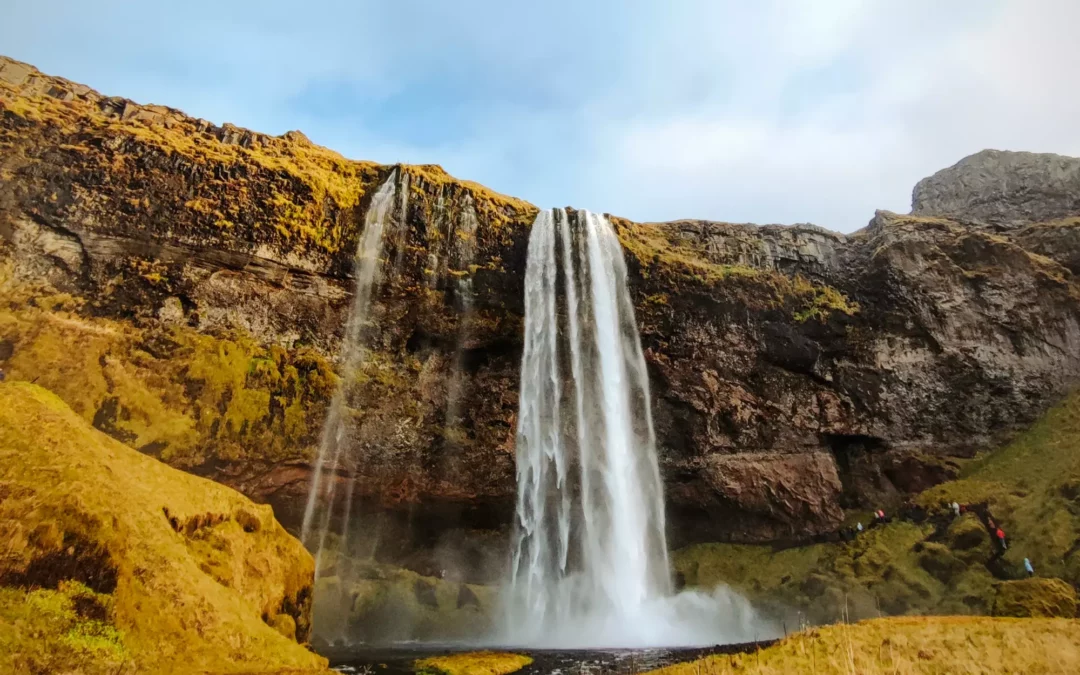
[(398, 660)]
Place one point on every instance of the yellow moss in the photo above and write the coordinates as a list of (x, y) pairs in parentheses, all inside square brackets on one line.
[(905, 646), (71, 490), (203, 396), (474, 663)]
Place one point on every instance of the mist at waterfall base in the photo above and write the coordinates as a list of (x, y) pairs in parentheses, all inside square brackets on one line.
[(590, 567)]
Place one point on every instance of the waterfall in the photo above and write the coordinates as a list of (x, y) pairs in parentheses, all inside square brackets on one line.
[(332, 456), (590, 565)]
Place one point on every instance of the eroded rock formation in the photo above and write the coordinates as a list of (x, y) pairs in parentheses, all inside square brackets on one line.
[(795, 371)]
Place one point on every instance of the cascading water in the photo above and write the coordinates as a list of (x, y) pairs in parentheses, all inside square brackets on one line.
[(332, 457), (590, 565)]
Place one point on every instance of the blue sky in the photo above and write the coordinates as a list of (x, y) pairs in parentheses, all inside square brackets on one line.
[(770, 111)]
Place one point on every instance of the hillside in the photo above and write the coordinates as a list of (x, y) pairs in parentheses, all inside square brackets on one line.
[(116, 563), (911, 645)]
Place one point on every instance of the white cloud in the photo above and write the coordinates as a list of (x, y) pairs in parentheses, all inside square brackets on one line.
[(771, 111)]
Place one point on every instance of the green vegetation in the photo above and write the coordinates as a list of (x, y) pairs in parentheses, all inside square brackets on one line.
[(473, 663), (1031, 488), (52, 629), (906, 646), (115, 561), (1035, 598)]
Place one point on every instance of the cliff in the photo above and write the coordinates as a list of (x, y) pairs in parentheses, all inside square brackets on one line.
[(183, 286), (115, 562)]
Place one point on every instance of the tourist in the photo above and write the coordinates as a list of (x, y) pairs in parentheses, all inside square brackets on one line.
[(858, 526), (1000, 534), (1027, 566), (956, 509)]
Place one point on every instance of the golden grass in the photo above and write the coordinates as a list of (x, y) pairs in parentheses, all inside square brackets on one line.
[(905, 646), (473, 663), (190, 568)]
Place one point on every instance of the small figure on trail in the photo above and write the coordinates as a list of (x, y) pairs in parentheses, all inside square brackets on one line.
[(1000, 534), (858, 526), (1027, 566), (963, 508), (956, 509)]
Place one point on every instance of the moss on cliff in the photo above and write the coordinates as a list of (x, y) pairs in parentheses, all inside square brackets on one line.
[(114, 560), (170, 391), (658, 252)]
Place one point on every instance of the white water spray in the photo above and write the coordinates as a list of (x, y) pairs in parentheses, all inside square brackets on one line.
[(331, 455), (590, 565)]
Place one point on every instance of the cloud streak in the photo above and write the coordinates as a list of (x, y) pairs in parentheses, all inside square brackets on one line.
[(775, 111)]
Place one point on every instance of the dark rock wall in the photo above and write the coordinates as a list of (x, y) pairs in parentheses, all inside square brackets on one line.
[(795, 371)]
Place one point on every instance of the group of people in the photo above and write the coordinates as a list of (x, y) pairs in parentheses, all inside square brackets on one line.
[(996, 532)]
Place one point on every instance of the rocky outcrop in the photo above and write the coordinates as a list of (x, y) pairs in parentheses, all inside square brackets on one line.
[(1002, 188), (123, 562), (794, 371)]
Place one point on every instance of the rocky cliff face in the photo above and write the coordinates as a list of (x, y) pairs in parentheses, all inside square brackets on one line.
[(204, 273), (1002, 188)]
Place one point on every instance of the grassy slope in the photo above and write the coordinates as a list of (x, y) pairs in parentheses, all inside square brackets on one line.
[(1030, 487), (95, 578), (473, 663), (902, 646)]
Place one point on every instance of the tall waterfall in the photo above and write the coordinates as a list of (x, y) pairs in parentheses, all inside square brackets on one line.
[(332, 456), (590, 564)]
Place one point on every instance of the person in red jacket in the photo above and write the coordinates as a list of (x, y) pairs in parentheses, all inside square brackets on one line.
[(1001, 538)]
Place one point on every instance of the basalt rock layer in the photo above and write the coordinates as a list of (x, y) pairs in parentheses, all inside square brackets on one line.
[(184, 287)]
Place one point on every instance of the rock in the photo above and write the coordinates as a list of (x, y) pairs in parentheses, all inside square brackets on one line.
[(1035, 598), (1003, 188), (794, 371), (761, 496), (168, 567)]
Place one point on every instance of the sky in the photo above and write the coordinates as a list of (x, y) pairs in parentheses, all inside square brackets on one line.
[(766, 111)]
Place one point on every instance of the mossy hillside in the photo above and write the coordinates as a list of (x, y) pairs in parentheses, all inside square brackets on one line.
[(904, 568), (180, 395), (880, 572), (473, 663), (1032, 488), (163, 570), (909, 645)]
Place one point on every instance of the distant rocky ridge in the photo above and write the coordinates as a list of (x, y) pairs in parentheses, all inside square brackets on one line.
[(795, 371), (1002, 188)]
